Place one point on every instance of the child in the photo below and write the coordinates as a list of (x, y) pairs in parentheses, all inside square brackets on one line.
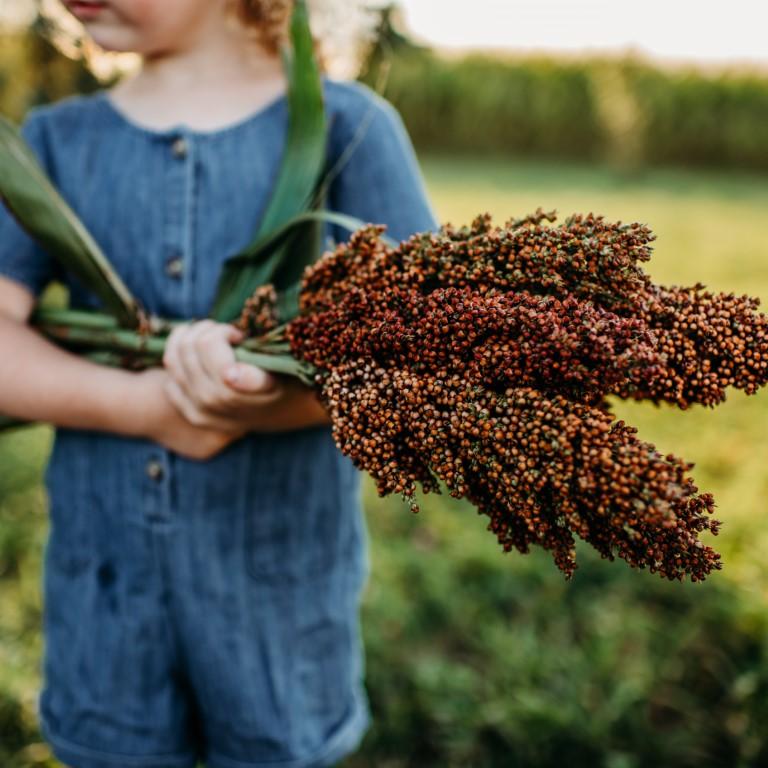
[(207, 548)]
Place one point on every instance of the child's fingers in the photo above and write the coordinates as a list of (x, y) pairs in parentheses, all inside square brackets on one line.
[(214, 348), (185, 406), (192, 412), (202, 363), (184, 364), (250, 380), (211, 355), (172, 355), (189, 355)]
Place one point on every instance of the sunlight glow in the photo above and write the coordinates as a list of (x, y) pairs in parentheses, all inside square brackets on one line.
[(687, 30)]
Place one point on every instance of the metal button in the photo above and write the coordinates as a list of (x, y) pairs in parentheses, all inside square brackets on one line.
[(155, 469), (179, 147), (174, 266)]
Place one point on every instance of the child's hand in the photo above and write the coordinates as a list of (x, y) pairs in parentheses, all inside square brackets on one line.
[(213, 390), (161, 421)]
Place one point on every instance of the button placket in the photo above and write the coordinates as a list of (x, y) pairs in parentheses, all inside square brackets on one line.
[(176, 265)]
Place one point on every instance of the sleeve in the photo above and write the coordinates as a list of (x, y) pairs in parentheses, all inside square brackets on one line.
[(379, 179), (21, 258)]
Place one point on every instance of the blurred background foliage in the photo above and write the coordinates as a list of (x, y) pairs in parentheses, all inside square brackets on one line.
[(476, 658), (624, 112), (33, 71)]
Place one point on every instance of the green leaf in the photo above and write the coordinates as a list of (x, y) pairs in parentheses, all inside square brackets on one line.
[(300, 250), (300, 170), (266, 260), (43, 213), (288, 303), (307, 130)]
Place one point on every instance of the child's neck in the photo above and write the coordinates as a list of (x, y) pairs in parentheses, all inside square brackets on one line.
[(220, 79)]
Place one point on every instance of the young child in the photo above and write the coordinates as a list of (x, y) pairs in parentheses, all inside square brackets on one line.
[(207, 549)]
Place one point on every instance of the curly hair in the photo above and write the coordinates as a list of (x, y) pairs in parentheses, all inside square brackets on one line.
[(343, 30), (269, 18)]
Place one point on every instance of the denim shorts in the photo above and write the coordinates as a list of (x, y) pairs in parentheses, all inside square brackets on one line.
[(203, 611)]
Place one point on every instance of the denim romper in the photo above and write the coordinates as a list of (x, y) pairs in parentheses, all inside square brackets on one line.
[(202, 610)]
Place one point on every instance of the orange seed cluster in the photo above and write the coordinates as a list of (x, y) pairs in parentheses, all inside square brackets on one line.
[(480, 358)]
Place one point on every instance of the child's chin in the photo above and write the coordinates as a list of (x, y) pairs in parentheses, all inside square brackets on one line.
[(112, 41)]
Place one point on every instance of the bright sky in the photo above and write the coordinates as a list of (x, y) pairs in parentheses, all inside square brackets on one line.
[(721, 32), (693, 30)]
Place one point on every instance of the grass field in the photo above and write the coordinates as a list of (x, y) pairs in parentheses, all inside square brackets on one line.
[(475, 659)]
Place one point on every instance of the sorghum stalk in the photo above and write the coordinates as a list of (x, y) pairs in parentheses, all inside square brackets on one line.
[(96, 332)]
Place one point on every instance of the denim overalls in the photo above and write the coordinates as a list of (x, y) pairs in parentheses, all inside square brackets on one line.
[(202, 610)]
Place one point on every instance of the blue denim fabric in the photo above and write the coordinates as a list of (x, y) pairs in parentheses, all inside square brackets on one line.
[(202, 609)]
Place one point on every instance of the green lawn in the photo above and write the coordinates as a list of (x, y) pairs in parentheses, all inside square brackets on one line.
[(478, 660)]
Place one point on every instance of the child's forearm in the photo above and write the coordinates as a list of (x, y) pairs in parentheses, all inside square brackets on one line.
[(42, 382), (297, 409)]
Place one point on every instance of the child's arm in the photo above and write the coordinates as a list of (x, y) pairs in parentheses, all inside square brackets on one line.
[(41, 382)]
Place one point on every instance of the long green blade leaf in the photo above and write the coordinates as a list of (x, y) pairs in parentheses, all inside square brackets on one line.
[(301, 167), (43, 213), (302, 249), (264, 256), (280, 258), (307, 129)]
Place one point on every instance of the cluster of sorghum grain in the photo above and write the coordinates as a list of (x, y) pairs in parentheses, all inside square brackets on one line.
[(495, 340), (481, 357), (585, 257), (542, 468), (706, 342), (259, 314)]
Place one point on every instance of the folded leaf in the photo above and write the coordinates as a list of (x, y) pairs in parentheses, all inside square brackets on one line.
[(300, 169), (266, 258), (44, 214)]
